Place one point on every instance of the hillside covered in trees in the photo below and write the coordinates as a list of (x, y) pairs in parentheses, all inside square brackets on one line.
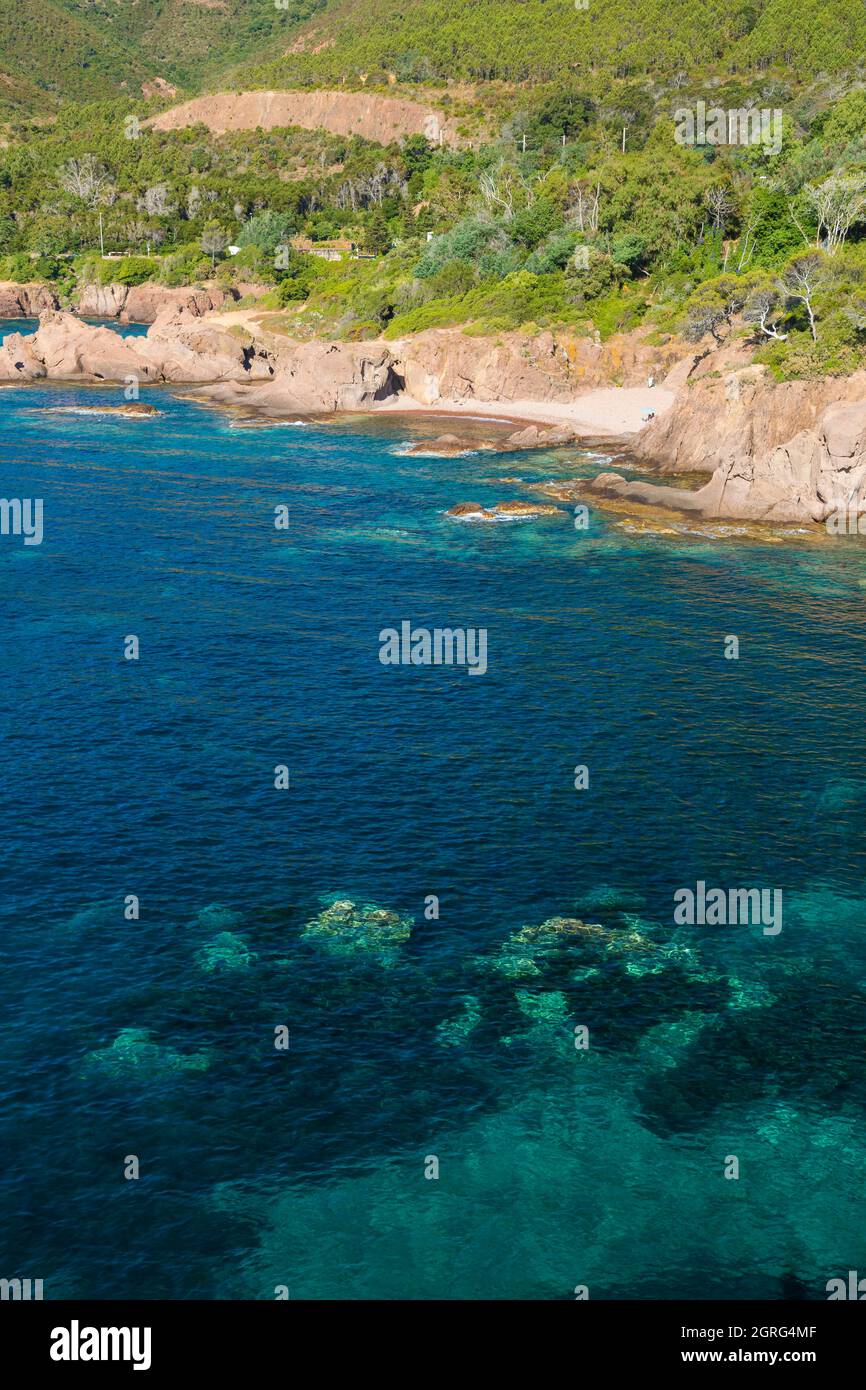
[(53, 50), (536, 40), (571, 201)]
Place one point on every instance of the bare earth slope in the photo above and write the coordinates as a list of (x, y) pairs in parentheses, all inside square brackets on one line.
[(373, 116)]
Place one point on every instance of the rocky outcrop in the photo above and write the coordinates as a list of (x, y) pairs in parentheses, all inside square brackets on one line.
[(792, 451), (738, 415), (230, 364), (25, 301), (182, 347), (145, 303), (66, 349), (517, 510), (445, 364), (102, 301), (178, 348)]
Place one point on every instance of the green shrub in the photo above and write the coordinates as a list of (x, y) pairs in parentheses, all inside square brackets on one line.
[(133, 270), (186, 266), (838, 351), (18, 267)]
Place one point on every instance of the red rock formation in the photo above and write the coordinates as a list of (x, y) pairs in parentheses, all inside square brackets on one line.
[(25, 301), (144, 303)]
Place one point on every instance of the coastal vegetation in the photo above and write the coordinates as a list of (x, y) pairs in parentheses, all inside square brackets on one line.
[(569, 202)]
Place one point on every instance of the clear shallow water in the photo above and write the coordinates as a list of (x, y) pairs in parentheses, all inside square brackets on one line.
[(156, 1038)]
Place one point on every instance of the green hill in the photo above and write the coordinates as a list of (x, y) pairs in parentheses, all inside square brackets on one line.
[(78, 50), (48, 50), (519, 40), (54, 50)]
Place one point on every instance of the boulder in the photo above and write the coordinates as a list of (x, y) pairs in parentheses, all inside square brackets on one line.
[(526, 438), (519, 508), (468, 509), (146, 303), (445, 446), (102, 301), (560, 434)]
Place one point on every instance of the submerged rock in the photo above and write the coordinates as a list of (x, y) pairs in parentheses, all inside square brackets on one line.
[(530, 948), (132, 410), (133, 1053), (842, 794), (446, 446), (501, 511), (227, 951), (610, 898), (218, 918), (749, 994), (451, 1032), (543, 1008), (347, 929)]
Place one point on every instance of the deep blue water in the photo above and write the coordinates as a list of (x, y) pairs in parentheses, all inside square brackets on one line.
[(259, 647)]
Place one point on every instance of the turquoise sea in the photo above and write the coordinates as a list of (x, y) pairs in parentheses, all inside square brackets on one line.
[(414, 1038)]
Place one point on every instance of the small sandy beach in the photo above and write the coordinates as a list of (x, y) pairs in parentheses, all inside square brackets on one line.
[(612, 411)]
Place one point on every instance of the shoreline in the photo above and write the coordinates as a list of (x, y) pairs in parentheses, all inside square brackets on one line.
[(611, 413), (775, 453), (638, 516)]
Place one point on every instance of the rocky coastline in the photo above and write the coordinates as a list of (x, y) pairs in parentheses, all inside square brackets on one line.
[(773, 452)]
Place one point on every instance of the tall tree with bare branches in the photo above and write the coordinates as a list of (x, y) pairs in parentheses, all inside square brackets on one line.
[(91, 183)]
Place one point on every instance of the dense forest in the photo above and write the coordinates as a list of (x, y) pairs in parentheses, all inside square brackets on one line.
[(572, 202), (532, 40), (82, 49)]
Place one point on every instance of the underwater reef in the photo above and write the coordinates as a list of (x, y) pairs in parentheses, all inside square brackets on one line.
[(348, 930), (134, 1054)]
